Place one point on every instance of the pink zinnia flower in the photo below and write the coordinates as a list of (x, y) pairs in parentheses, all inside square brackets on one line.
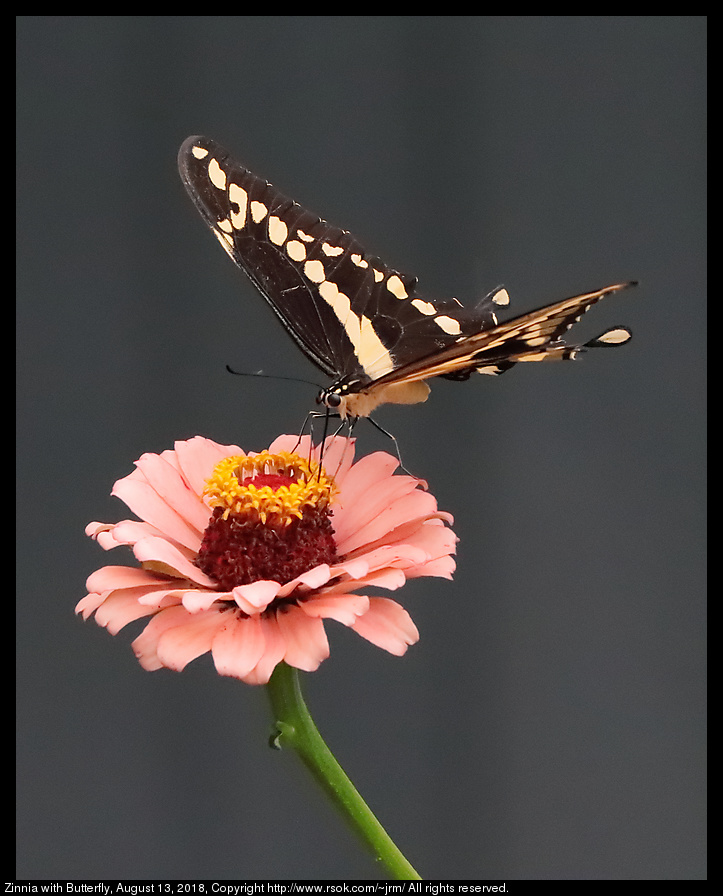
[(246, 555)]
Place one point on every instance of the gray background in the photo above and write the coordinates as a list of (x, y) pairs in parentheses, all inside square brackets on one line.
[(550, 722)]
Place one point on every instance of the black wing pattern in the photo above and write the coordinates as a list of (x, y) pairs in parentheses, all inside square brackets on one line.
[(360, 321), (330, 295)]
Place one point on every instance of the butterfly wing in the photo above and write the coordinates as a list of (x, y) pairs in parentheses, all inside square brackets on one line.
[(352, 315), (535, 336)]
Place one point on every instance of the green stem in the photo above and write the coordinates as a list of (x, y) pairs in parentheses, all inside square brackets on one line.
[(295, 726)]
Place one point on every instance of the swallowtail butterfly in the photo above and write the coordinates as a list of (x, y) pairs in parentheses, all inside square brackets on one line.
[(360, 321)]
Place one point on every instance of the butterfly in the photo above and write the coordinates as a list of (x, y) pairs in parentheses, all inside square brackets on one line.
[(358, 320)]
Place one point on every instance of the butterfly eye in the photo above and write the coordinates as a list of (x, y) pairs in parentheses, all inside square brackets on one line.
[(330, 399)]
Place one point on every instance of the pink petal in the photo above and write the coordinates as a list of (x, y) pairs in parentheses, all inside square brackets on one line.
[(197, 599), (386, 577), (239, 646), (168, 483), (163, 597), (365, 476), (344, 608), (254, 598), (158, 550), (382, 515), (442, 568), (120, 608), (391, 579), (274, 648), (104, 534), (427, 531), (125, 532), (312, 578), (92, 530), (108, 578), (145, 645), (403, 556), (90, 603), (387, 625), (306, 641), (147, 504), (371, 468), (198, 456), (300, 446), (147, 596), (178, 645), (355, 569), (434, 536)]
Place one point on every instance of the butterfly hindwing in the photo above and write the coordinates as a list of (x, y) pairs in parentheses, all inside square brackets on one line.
[(535, 336)]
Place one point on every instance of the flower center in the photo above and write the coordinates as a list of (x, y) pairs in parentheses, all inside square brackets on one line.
[(271, 519)]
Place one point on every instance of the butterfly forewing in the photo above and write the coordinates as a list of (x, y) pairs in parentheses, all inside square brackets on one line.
[(349, 312)]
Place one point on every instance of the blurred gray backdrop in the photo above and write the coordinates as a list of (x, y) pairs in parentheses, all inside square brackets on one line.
[(550, 722)]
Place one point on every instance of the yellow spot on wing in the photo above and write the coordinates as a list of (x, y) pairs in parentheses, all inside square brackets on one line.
[(296, 250), (448, 324), (396, 287), (339, 302), (370, 351), (314, 270), (501, 297), (331, 250), (225, 240), (616, 336), (424, 307), (216, 175), (199, 152), (258, 211), (238, 196), (278, 231)]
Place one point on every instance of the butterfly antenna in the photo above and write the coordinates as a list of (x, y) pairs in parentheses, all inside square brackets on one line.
[(272, 376)]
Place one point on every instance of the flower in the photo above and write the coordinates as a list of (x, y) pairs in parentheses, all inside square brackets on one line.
[(245, 555)]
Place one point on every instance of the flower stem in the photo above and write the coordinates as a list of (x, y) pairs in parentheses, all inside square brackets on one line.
[(294, 726)]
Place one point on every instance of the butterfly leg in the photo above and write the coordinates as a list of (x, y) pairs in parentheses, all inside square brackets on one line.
[(327, 415), (396, 444), (302, 431)]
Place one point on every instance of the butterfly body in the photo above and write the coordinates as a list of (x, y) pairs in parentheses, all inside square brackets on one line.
[(358, 320)]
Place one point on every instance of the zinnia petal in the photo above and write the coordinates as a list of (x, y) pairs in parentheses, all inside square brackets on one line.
[(109, 578), (306, 642), (239, 646), (387, 625), (145, 501), (197, 456), (158, 550), (166, 480), (273, 652), (183, 637), (344, 608)]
